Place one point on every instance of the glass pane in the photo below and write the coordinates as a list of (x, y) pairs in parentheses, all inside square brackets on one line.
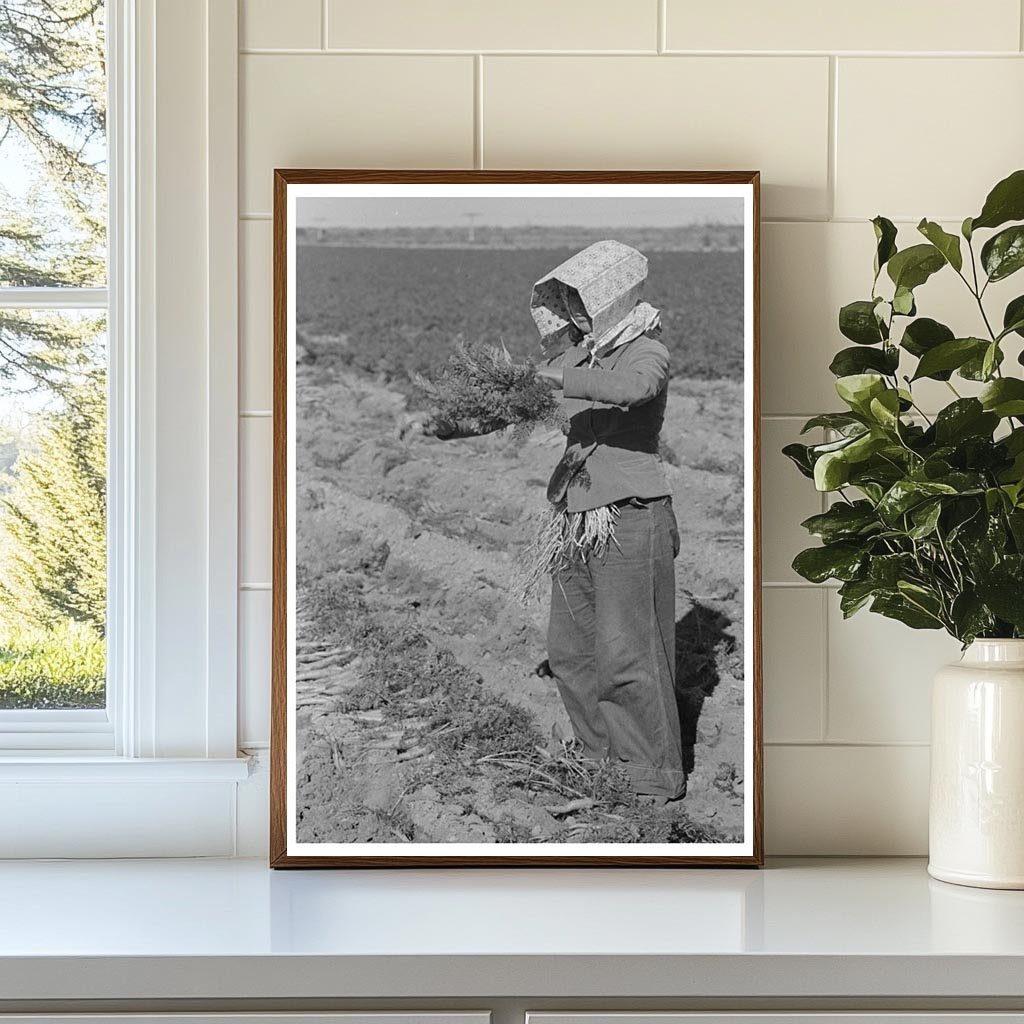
[(53, 149), (52, 509)]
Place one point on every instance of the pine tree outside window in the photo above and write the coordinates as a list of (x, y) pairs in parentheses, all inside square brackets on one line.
[(53, 368)]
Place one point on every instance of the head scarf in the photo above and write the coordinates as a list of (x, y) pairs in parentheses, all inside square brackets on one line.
[(609, 278)]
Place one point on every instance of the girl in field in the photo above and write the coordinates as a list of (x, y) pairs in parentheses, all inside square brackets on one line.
[(611, 537)]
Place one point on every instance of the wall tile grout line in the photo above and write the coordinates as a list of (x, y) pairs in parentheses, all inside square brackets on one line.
[(798, 585), (351, 51), (823, 683), (478, 111), (1020, 25), (662, 26), (858, 54), (340, 51), (832, 148), (851, 744), (323, 24)]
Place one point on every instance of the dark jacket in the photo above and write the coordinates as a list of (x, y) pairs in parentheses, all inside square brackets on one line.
[(616, 410)]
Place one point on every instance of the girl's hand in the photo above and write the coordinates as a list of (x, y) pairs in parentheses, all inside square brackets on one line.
[(552, 374)]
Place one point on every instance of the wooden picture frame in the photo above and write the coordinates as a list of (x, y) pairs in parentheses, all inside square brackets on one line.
[(286, 851)]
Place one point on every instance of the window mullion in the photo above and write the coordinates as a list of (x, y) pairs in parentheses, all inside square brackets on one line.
[(53, 298)]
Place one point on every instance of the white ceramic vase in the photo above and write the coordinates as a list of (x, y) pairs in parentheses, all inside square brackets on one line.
[(976, 816)]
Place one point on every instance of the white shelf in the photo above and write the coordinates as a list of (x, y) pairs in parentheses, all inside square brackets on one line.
[(223, 929)]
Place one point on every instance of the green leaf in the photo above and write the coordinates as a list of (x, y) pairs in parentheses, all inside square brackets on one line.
[(885, 409), (903, 302), (912, 267), (950, 355), (831, 471), (887, 570), (854, 594), (897, 607), (964, 481), (799, 455), (841, 421), (994, 499), (906, 494), (849, 361), (974, 368), (863, 447), (924, 334), (843, 521), (834, 446), (872, 491), (947, 244), (1014, 441), (965, 229), (1003, 254), (925, 518), (1006, 599), (858, 389), (990, 360), (857, 321), (1013, 317), (885, 238), (840, 561), (1004, 397), (970, 617), (966, 417), (1005, 202), (1015, 519)]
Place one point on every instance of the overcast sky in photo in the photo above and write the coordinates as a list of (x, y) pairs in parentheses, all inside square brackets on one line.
[(445, 211)]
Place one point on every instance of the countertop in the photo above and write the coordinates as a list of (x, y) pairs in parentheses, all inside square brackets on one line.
[(232, 929)]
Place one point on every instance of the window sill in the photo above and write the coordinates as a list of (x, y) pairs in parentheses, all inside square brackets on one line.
[(76, 766)]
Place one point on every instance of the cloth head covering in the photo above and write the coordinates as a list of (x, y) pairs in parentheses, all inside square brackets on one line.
[(609, 278)]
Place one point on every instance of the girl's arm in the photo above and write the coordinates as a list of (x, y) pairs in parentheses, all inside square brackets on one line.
[(638, 382)]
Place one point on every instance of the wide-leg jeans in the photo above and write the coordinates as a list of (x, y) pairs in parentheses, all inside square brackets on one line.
[(611, 648)]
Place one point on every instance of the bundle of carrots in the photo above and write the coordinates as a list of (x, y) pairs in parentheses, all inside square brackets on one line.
[(482, 386)]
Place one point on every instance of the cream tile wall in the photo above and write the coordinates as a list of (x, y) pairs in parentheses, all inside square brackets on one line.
[(848, 111)]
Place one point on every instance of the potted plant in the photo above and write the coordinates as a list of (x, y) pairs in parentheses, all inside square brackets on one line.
[(927, 521)]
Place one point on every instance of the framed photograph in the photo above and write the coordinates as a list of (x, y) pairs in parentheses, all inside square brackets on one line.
[(516, 548)]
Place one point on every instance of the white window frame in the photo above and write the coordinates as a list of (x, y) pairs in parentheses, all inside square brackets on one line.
[(169, 734), (59, 731)]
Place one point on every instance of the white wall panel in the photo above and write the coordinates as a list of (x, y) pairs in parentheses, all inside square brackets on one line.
[(256, 302), (685, 113), (846, 800), (253, 667), (846, 702), (261, 25), (351, 111), (787, 499), (971, 111), (254, 526), (471, 25), (794, 663), (879, 677), (876, 25)]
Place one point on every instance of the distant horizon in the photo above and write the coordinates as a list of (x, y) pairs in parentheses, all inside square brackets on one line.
[(562, 213), (568, 227)]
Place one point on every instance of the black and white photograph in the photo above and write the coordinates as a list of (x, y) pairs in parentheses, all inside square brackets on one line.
[(516, 552)]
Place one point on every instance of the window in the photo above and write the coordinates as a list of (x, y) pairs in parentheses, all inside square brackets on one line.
[(53, 372)]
